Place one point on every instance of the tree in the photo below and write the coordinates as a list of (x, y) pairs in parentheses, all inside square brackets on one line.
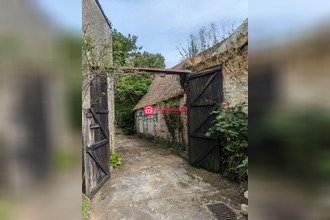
[(122, 47), (204, 44), (205, 38), (129, 88), (148, 60)]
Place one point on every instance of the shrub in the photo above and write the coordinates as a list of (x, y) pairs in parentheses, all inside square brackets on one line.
[(115, 160), (230, 127)]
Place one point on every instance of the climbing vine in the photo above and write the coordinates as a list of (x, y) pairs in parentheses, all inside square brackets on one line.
[(173, 122), (183, 79)]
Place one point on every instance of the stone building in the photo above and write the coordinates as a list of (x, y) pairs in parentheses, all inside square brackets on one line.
[(232, 53), (97, 97), (96, 25), (162, 90)]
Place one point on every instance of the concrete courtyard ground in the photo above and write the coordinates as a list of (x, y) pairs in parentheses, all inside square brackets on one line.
[(154, 182)]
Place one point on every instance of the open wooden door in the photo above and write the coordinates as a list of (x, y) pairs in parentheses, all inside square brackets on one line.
[(96, 152)]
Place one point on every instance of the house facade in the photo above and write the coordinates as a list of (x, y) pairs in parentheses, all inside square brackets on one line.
[(167, 91)]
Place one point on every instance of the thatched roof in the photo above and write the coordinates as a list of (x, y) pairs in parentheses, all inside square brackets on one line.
[(161, 89)]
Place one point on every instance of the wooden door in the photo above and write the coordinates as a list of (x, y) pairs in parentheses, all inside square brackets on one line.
[(96, 153), (204, 95)]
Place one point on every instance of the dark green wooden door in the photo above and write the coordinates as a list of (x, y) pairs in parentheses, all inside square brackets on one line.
[(204, 95)]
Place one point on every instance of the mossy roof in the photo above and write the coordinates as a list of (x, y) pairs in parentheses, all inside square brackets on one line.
[(161, 89)]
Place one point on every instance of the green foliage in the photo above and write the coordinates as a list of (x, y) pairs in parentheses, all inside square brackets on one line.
[(132, 87), (115, 160), (95, 52), (122, 47), (85, 207), (184, 80), (148, 60), (230, 127), (173, 121), (207, 37), (244, 167), (125, 53), (129, 89)]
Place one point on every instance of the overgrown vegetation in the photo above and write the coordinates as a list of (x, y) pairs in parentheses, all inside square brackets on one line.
[(129, 89), (173, 121), (85, 209), (115, 160), (96, 63), (184, 80), (244, 167), (230, 127), (123, 46), (205, 38)]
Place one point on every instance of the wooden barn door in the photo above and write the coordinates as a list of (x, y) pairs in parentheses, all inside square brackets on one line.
[(96, 136), (204, 96)]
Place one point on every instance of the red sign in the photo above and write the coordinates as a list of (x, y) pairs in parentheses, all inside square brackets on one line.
[(148, 110)]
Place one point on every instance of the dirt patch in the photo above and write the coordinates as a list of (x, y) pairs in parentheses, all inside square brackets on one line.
[(227, 191)]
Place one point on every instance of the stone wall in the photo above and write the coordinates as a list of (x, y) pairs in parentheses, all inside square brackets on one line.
[(235, 74), (94, 21), (235, 90), (155, 125), (95, 24)]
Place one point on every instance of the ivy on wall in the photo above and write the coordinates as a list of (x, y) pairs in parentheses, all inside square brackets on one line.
[(173, 122), (183, 79)]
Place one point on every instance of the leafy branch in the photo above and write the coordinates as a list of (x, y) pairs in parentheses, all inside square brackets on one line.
[(230, 127)]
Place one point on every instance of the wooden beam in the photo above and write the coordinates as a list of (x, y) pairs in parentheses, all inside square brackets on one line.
[(203, 136), (98, 162), (99, 122), (206, 152), (204, 87), (206, 72), (98, 144), (205, 118), (104, 180)]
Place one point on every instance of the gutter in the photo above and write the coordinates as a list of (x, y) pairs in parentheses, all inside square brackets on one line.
[(105, 17)]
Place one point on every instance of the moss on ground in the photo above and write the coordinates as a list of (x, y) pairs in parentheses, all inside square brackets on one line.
[(85, 208), (160, 143)]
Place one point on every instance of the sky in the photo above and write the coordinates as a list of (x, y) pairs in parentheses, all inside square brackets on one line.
[(161, 25)]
